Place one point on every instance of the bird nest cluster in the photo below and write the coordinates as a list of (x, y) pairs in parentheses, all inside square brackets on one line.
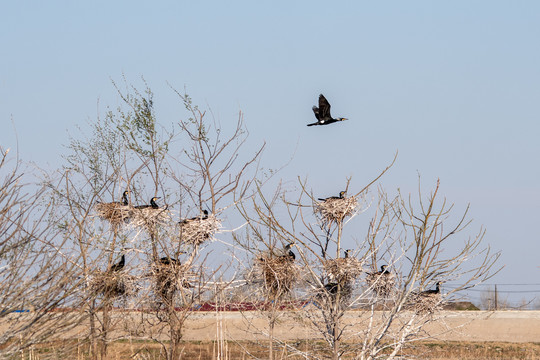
[(169, 278), (113, 284), (425, 303), (335, 210), (278, 273), (343, 270), (150, 217), (383, 284), (115, 213), (196, 231)]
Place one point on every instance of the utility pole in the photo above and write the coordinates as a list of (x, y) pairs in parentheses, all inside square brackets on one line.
[(496, 299)]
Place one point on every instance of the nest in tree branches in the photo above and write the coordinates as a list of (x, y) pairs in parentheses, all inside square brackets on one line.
[(343, 270), (169, 278), (422, 303), (198, 230), (113, 284), (114, 212), (149, 218), (335, 210), (383, 284), (277, 273)]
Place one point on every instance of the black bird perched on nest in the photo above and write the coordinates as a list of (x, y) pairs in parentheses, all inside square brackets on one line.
[(341, 195), (383, 270), (168, 261), (125, 200), (322, 113), (437, 290), (331, 288), (288, 253), (203, 217), (119, 265), (347, 253), (152, 205)]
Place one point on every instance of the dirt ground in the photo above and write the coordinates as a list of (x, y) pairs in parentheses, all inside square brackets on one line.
[(501, 326)]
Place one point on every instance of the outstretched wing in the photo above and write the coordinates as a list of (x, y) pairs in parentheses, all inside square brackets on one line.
[(316, 112), (324, 108)]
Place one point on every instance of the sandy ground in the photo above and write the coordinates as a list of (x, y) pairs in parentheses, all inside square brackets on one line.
[(500, 326), (505, 326)]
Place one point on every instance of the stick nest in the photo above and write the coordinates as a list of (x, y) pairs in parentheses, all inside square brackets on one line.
[(343, 270), (113, 284), (168, 279), (426, 303), (197, 231), (278, 273), (335, 210), (149, 218), (383, 284), (114, 212)]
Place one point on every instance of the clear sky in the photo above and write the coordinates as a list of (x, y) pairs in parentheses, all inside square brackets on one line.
[(453, 86)]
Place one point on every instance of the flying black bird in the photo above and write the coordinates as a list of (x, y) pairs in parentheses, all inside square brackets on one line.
[(322, 113), (119, 265), (152, 205), (203, 217), (437, 290), (341, 195)]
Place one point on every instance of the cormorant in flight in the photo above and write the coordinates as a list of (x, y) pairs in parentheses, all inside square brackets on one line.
[(322, 113)]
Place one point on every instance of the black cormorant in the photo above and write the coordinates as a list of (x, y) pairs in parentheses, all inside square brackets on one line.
[(347, 253), (152, 205), (166, 260), (322, 113), (331, 288), (119, 265), (341, 195), (287, 252), (437, 290), (383, 270), (203, 217)]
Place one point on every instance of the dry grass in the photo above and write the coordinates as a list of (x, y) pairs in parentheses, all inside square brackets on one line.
[(148, 218), (278, 273), (168, 279), (335, 210), (209, 350), (383, 284), (113, 284), (343, 270), (197, 231), (115, 213)]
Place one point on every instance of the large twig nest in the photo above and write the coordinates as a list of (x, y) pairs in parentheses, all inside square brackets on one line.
[(382, 283), (169, 278), (198, 230), (343, 270), (113, 284), (422, 303), (277, 273), (114, 212), (335, 210), (149, 217)]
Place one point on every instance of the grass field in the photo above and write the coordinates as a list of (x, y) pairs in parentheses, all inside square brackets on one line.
[(209, 350)]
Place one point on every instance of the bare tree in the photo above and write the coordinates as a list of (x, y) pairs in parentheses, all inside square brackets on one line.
[(393, 305)]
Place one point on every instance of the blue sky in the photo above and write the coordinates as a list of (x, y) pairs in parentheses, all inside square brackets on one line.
[(453, 86)]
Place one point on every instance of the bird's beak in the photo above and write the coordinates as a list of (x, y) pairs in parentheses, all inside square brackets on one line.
[(343, 119)]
